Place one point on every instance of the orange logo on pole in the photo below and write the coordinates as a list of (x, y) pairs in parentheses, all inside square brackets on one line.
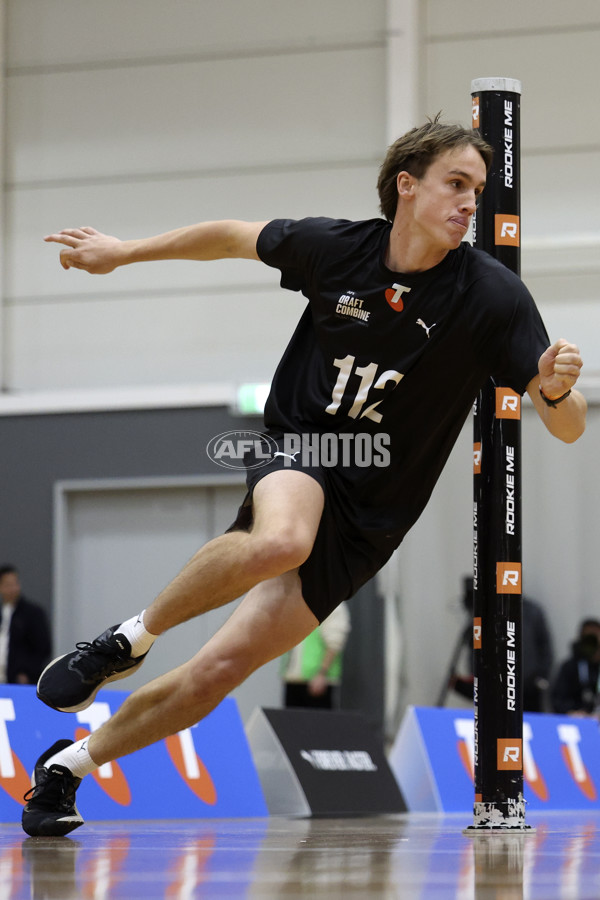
[(477, 458), (508, 404), (475, 112), (510, 753), (507, 230), (477, 633), (508, 578)]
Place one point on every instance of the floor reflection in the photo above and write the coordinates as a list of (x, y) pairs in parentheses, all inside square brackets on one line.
[(412, 856)]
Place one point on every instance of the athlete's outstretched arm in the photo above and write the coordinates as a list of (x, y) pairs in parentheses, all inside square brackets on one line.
[(559, 369), (97, 253)]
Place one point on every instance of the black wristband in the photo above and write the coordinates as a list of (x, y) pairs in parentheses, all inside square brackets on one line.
[(554, 403)]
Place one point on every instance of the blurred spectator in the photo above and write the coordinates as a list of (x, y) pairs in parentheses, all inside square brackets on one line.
[(312, 671), (537, 654), (25, 645), (538, 657), (575, 689)]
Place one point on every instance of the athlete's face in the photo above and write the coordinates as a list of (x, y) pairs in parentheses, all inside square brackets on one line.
[(444, 199)]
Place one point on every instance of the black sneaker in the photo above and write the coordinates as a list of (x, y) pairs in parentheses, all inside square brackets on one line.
[(50, 808), (70, 682)]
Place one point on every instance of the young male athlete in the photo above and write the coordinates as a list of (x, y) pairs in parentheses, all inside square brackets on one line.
[(405, 322)]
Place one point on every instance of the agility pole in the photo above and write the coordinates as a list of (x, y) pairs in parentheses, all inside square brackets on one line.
[(497, 612)]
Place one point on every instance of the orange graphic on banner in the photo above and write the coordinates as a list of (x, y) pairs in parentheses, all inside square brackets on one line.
[(531, 772), (19, 782), (463, 753), (579, 774), (477, 633), (116, 786), (510, 753), (508, 578), (477, 458), (506, 230), (475, 112), (200, 781), (508, 404), (538, 785)]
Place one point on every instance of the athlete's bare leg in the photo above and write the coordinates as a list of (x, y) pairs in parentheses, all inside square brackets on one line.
[(270, 620), (287, 508)]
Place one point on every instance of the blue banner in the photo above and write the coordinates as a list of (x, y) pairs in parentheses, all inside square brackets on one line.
[(202, 772), (433, 760)]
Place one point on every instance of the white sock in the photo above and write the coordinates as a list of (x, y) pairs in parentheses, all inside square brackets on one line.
[(135, 632), (75, 758)]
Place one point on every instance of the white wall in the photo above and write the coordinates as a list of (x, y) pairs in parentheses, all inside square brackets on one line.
[(137, 116)]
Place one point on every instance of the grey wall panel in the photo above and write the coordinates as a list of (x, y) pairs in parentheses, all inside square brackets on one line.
[(229, 337), (60, 33), (172, 118), (145, 206), (445, 21)]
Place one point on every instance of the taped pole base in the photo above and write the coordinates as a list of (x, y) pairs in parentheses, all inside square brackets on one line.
[(488, 818)]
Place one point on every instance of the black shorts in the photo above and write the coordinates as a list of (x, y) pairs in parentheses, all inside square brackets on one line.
[(345, 555)]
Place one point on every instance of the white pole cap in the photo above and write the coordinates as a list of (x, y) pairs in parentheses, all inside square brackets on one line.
[(513, 85)]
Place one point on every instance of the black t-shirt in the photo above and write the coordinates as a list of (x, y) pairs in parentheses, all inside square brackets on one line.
[(387, 353)]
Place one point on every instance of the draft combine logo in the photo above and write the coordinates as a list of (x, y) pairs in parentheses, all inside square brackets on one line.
[(351, 305), (476, 112)]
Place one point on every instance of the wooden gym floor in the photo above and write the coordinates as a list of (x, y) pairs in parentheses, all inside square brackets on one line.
[(407, 856)]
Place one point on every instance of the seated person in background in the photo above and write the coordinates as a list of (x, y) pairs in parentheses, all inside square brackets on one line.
[(312, 670), (538, 656), (25, 645), (576, 689)]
